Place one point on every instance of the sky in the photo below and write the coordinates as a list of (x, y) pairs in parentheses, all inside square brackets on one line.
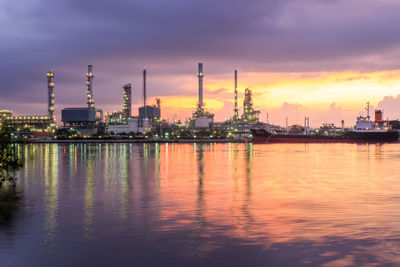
[(316, 58)]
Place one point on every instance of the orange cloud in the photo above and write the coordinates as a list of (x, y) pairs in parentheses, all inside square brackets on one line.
[(312, 92)]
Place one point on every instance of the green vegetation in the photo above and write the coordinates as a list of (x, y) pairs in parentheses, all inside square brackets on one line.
[(10, 196), (9, 160)]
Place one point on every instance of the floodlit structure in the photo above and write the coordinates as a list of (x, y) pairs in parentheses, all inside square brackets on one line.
[(89, 84), (249, 113), (122, 116), (34, 123), (200, 117), (153, 113), (127, 108), (25, 123), (50, 110)]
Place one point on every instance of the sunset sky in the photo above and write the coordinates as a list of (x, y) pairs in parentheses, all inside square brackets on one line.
[(316, 58)]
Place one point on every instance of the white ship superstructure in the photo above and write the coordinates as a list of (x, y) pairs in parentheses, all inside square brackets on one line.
[(365, 124)]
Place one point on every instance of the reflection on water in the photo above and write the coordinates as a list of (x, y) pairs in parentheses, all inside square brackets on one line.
[(205, 204), (50, 171)]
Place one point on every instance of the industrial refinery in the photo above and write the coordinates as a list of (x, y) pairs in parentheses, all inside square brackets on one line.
[(90, 122)]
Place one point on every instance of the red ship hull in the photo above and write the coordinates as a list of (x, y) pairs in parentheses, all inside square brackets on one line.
[(292, 139), (261, 135)]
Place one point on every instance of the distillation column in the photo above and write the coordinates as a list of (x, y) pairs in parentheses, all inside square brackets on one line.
[(127, 109), (89, 84), (50, 86)]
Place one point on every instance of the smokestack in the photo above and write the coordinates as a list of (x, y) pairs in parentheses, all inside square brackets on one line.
[(236, 110), (144, 93), (200, 75), (50, 87), (89, 84)]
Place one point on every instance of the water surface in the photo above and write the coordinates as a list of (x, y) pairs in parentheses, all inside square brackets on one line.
[(205, 205)]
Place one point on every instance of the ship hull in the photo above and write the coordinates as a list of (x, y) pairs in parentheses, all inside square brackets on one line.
[(388, 136), (263, 136), (297, 139)]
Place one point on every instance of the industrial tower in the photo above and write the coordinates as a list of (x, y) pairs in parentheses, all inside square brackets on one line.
[(200, 76), (236, 109), (144, 93), (50, 86), (249, 114), (127, 108), (201, 118), (89, 84)]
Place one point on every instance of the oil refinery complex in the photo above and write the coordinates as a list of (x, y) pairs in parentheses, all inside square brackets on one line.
[(90, 122)]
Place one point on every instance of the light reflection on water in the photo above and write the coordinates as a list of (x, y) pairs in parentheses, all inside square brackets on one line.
[(206, 204)]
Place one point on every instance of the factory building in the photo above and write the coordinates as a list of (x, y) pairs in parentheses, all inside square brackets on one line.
[(132, 126), (83, 120), (122, 116), (26, 123), (147, 111), (149, 116), (237, 127), (122, 122), (152, 112)]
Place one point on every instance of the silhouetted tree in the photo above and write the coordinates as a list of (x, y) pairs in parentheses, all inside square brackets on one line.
[(9, 160)]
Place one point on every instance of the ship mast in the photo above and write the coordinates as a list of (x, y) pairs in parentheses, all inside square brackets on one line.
[(367, 108)]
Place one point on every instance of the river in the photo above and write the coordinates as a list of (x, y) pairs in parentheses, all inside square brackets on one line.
[(205, 205)]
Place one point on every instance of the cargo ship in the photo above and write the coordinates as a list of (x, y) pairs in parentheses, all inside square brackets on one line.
[(365, 131)]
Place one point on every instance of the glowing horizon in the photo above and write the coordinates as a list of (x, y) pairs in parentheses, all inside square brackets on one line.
[(322, 96)]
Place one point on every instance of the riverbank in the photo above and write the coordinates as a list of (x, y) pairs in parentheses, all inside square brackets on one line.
[(140, 141)]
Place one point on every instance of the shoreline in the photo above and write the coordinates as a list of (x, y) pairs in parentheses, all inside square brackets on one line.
[(129, 141)]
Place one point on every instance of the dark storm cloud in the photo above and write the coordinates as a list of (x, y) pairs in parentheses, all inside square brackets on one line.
[(170, 37)]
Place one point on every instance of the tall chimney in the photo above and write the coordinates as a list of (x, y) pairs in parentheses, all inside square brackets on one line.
[(200, 75), (236, 110), (50, 87), (144, 93), (89, 84)]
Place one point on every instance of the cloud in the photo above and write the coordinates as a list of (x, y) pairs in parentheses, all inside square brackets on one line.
[(390, 106), (297, 112)]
